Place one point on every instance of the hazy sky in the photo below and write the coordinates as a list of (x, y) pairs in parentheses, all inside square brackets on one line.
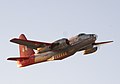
[(49, 20)]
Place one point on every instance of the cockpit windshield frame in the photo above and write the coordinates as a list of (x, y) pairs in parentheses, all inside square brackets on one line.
[(81, 34)]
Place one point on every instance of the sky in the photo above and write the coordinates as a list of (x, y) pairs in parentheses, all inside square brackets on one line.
[(49, 20)]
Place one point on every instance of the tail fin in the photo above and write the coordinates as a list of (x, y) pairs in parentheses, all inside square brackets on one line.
[(24, 50)]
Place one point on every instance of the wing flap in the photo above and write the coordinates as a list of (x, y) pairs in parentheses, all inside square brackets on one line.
[(29, 43)]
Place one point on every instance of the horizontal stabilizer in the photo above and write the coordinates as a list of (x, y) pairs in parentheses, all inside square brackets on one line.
[(18, 58), (99, 43), (29, 43)]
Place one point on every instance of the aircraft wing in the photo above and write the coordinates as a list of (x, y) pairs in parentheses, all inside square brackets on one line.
[(30, 44), (99, 43)]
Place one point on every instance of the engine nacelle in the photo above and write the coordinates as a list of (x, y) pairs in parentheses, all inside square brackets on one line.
[(90, 50), (60, 44)]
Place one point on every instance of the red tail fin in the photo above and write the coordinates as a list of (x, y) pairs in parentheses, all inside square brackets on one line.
[(24, 51)]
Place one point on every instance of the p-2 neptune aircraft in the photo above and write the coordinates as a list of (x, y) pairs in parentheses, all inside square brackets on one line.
[(57, 50)]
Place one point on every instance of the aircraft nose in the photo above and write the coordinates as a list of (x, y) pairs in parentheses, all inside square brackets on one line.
[(93, 35)]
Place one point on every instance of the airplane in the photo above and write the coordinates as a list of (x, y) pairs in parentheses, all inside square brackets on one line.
[(56, 50)]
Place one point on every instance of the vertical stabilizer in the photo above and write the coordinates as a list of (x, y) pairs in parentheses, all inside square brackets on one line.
[(24, 50)]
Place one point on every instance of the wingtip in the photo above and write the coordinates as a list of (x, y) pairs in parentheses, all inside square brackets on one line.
[(109, 41)]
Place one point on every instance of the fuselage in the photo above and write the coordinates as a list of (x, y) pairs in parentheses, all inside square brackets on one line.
[(77, 43)]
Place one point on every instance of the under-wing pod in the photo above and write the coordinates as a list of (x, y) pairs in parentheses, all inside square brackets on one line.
[(90, 50)]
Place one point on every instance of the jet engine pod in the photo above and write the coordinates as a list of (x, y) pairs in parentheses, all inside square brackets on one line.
[(90, 50)]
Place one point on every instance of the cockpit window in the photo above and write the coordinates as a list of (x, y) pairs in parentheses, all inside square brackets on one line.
[(81, 34)]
